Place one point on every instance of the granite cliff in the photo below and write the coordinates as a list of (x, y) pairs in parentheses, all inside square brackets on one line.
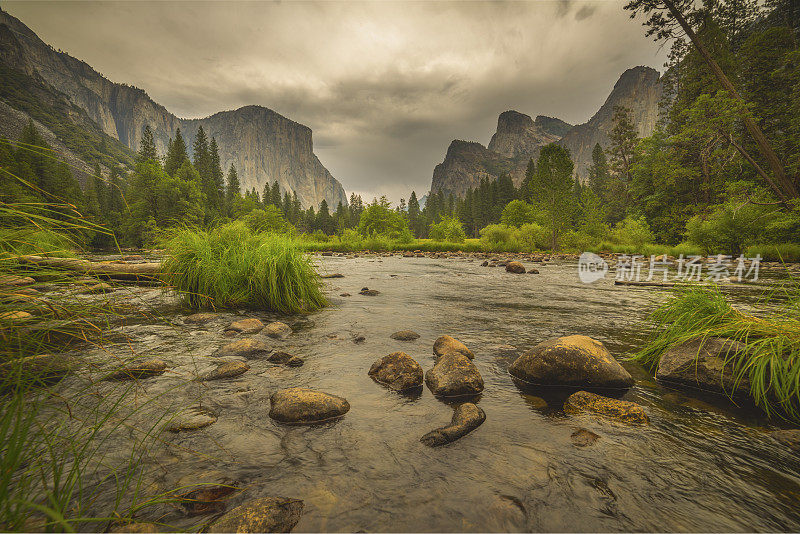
[(262, 144), (519, 138)]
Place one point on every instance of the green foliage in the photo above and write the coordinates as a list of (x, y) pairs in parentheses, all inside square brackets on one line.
[(771, 359), (552, 186), (269, 219), (231, 266), (632, 231), (449, 229), (532, 236), (499, 237), (517, 212), (380, 219)]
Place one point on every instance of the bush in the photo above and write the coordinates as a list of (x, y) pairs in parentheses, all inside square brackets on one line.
[(378, 218), (785, 252), (577, 241), (632, 231), (730, 228), (517, 213), (532, 236), (269, 219), (449, 229), (231, 266), (498, 238)]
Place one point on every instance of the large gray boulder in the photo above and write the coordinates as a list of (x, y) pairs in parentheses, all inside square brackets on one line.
[(454, 375), (701, 364), (575, 361), (466, 418), (269, 514), (397, 371), (306, 406)]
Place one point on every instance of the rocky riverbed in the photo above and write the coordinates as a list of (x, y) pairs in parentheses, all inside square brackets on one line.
[(384, 453)]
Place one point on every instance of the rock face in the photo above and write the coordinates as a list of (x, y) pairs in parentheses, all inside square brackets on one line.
[(622, 411), (263, 145), (638, 89), (575, 361), (397, 371), (270, 514), (306, 406), (445, 344), (700, 364), (454, 375), (519, 138), (466, 418)]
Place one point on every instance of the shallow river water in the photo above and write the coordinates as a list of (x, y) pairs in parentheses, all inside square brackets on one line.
[(697, 467)]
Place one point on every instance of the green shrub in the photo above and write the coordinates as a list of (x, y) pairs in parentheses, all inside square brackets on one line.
[(632, 231), (517, 213), (785, 252), (269, 219), (730, 227), (449, 229), (499, 238), (532, 236), (231, 266)]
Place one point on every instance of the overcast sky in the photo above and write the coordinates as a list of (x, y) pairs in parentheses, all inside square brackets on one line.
[(384, 86)]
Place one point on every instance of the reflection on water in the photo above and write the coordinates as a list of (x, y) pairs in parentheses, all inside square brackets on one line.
[(697, 467)]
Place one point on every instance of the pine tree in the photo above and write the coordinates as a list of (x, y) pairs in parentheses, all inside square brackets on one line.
[(622, 149), (233, 190), (553, 186), (275, 195), (598, 172), (147, 146), (414, 215), (176, 154), (217, 176)]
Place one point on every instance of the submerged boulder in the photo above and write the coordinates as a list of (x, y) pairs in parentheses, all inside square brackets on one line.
[(622, 411), (583, 437), (246, 326), (397, 371), (284, 358), (269, 514), (192, 419), (515, 267), (200, 318), (244, 348), (445, 344), (405, 335), (225, 370), (700, 364), (41, 367), (278, 330), (143, 369), (575, 361), (306, 406), (454, 375), (466, 418), (369, 292)]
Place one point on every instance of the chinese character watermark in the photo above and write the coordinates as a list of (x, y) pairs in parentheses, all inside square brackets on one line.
[(716, 269)]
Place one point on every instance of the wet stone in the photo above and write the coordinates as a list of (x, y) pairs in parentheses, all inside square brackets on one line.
[(192, 419), (284, 358), (96, 289), (397, 371), (44, 367), (244, 348), (405, 335), (278, 330), (359, 338), (619, 410), (139, 370), (225, 370), (344, 295), (701, 364), (206, 498), (269, 514), (306, 406), (445, 344), (246, 326), (454, 375), (466, 418), (789, 438), (575, 361), (136, 527), (515, 267), (369, 292), (333, 275), (200, 318), (583, 437)]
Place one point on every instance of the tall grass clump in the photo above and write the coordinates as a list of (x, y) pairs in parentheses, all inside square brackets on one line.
[(232, 266), (771, 357)]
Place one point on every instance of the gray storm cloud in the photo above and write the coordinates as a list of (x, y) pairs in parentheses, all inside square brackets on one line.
[(385, 86)]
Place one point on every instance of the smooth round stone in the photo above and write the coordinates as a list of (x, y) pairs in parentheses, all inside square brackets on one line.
[(405, 335), (306, 406), (445, 344), (250, 325), (397, 371), (193, 419), (225, 370), (269, 514), (277, 330)]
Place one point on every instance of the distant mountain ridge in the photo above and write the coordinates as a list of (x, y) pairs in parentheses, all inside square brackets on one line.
[(519, 138), (262, 144)]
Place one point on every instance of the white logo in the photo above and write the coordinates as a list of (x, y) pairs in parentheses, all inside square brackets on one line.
[(591, 267)]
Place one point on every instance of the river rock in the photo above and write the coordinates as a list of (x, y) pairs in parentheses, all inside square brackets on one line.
[(192, 419), (703, 367), (200, 318), (138, 370), (533, 271), (466, 418), (136, 528), (243, 348), (622, 411), (454, 375), (515, 267), (485, 263), (225, 370), (445, 344), (251, 325), (369, 292), (344, 294), (583, 437), (306, 406), (42, 367), (268, 514), (278, 330), (284, 358), (576, 361), (405, 335), (206, 498), (96, 289), (397, 371), (333, 275)]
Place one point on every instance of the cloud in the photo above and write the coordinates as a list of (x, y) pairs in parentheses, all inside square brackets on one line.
[(384, 86)]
